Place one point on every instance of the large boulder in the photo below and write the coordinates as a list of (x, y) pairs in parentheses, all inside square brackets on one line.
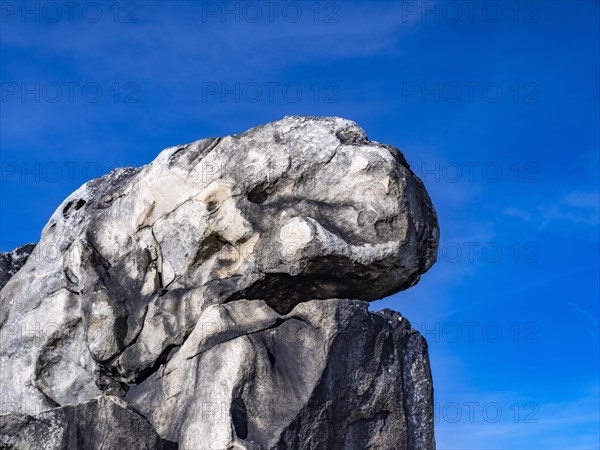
[(265, 226), (328, 375), (104, 423)]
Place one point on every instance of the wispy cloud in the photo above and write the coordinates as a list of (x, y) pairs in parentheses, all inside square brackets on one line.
[(590, 320), (516, 212), (524, 424), (171, 53), (186, 41), (576, 207)]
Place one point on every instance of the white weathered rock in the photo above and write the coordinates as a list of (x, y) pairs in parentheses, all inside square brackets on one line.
[(244, 229)]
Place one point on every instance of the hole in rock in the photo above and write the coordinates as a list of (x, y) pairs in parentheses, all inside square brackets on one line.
[(282, 291), (73, 205), (259, 194)]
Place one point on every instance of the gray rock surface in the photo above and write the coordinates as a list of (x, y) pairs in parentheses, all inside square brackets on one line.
[(328, 375), (105, 423), (210, 275), (11, 262)]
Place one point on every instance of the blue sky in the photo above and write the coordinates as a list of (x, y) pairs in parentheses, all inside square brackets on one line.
[(494, 104)]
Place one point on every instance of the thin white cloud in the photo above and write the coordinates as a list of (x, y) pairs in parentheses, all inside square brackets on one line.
[(516, 212), (589, 319), (577, 207), (570, 424), (182, 43)]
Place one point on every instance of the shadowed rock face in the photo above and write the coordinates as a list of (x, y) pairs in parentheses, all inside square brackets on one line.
[(223, 257), (327, 375), (107, 421)]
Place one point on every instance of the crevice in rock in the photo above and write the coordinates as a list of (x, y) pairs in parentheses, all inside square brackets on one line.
[(53, 403), (272, 359), (170, 445), (107, 383), (239, 417), (282, 291), (99, 258), (142, 313), (278, 322), (199, 155), (176, 153), (164, 357)]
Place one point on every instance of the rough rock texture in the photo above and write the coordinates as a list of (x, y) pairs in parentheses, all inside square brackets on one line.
[(105, 423), (11, 262), (328, 375), (210, 276)]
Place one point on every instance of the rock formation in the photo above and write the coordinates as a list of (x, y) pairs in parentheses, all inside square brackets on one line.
[(220, 293), (11, 262), (106, 420)]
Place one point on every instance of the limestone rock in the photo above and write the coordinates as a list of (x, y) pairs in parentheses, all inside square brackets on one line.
[(258, 233), (328, 375), (105, 423)]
